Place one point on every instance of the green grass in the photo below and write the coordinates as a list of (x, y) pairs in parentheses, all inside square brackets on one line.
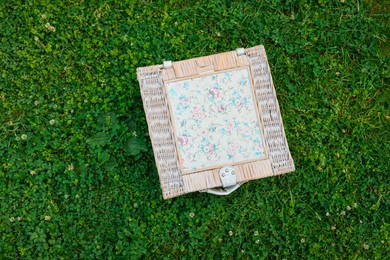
[(85, 185)]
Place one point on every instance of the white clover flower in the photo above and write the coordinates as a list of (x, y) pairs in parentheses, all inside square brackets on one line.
[(66, 196), (77, 196), (343, 213), (231, 233), (20, 218), (43, 16), (349, 208), (134, 133), (17, 138), (192, 214), (365, 246), (70, 167), (135, 205), (36, 102), (52, 122), (36, 38), (12, 219), (47, 218), (256, 233), (33, 172), (24, 137), (327, 214), (257, 241), (303, 240), (333, 228), (50, 27)]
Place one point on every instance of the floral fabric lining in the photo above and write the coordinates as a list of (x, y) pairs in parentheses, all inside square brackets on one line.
[(215, 120)]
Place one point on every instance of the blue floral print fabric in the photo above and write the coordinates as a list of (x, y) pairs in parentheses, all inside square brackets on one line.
[(215, 120)]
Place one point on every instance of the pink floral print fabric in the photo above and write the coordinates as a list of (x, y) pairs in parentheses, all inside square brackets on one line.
[(215, 120)]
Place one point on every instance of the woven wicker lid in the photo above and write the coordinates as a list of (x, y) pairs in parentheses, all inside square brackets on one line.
[(212, 112)]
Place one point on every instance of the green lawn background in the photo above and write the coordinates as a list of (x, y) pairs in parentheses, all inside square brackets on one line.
[(77, 174)]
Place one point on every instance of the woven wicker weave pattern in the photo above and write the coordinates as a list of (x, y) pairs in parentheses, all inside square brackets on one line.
[(278, 148), (160, 131), (175, 183)]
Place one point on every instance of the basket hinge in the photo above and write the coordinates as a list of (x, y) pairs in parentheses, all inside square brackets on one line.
[(167, 64), (240, 51), (228, 176)]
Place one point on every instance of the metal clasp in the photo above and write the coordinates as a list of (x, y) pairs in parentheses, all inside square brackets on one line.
[(228, 176)]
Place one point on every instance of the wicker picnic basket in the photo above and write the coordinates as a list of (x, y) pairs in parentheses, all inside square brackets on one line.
[(214, 122)]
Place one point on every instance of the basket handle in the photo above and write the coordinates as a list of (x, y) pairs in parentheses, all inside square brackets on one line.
[(223, 192)]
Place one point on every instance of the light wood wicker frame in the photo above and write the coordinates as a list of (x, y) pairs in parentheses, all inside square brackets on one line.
[(152, 81)]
